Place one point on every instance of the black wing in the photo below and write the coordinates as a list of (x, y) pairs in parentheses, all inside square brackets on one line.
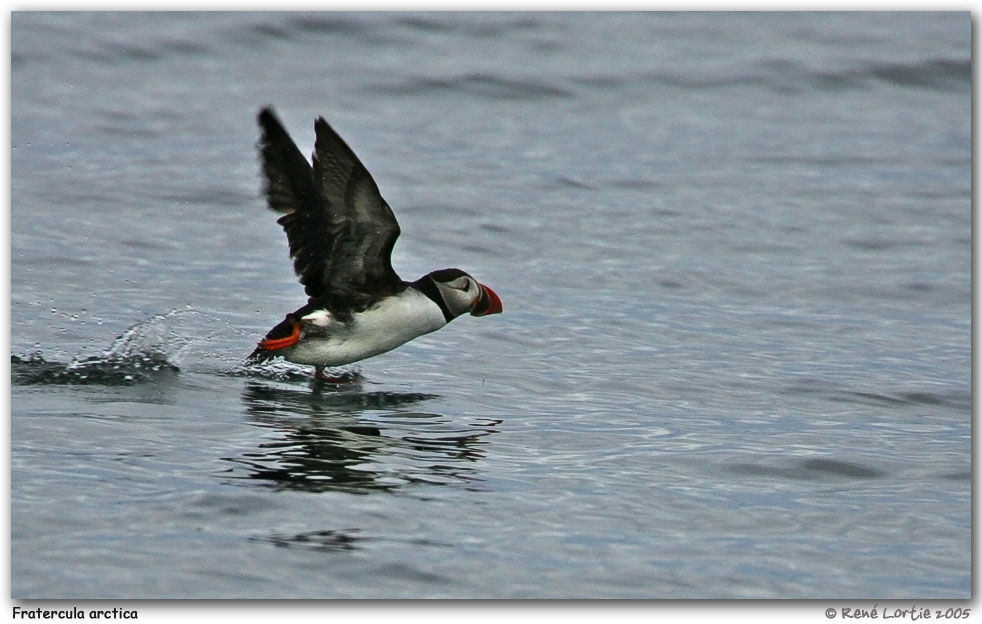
[(341, 232)]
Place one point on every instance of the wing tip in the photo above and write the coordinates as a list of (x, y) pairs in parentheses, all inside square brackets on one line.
[(270, 124)]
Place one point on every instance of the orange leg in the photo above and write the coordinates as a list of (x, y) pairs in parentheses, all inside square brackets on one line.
[(272, 344)]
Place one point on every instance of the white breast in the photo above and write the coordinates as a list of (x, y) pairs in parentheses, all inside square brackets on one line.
[(391, 322)]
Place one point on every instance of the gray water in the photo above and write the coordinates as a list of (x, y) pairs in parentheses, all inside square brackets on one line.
[(734, 256)]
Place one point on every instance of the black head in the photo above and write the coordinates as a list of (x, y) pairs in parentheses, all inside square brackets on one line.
[(456, 292)]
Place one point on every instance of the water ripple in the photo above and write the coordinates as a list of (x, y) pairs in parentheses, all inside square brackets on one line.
[(784, 76), (810, 469), (325, 540), (900, 399), (484, 85)]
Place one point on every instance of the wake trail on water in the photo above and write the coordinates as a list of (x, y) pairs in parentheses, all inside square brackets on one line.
[(152, 350)]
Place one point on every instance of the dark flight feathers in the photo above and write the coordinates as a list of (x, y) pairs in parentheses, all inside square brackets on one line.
[(341, 232)]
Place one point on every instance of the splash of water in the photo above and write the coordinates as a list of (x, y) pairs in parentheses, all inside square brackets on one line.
[(154, 349), (160, 335), (147, 351)]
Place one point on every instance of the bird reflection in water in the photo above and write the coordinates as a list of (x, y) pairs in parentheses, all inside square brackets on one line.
[(335, 439)]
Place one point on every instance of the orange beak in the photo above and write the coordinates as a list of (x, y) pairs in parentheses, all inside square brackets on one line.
[(487, 303)]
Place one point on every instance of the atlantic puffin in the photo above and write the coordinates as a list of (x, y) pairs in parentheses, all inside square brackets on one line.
[(341, 233)]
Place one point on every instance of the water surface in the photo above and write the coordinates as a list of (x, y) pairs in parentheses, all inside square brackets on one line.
[(734, 255)]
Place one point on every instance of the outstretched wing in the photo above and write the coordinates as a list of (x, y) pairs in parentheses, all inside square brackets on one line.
[(363, 227), (341, 232)]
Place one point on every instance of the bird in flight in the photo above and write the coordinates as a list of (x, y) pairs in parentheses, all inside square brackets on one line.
[(341, 233)]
